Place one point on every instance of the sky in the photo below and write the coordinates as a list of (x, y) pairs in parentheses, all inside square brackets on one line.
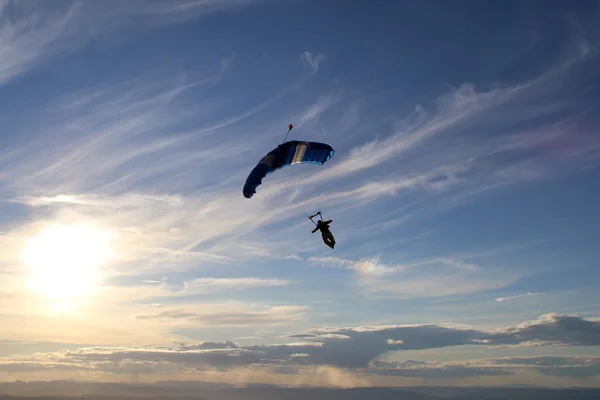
[(463, 192)]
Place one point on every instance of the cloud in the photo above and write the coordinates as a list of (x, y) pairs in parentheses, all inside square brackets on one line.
[(151, 313), (318, 108), (519, 296), (569, 366), (136, 172), (434, 277), (579, 367), (454, 108), (352, 350), (552, 329), (232, 283), (164, 290), (358, 346), (466, 112), (158, 162), (131, 184), (313, 61), (112, 133), (226, 61), (224, 315), (438, 370), (186, 8), (33, 33), (458, 167), (28, 37), (391, 341)]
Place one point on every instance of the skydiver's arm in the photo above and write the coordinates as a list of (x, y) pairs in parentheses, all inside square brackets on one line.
[(314, 230), (328, 222)]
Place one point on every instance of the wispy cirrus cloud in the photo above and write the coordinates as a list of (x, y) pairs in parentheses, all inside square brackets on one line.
[(234, 283), (29, 36), (315, 110), (448, 172), (518, 296), (436, 277), (222, 315), (314, 61), (198, 286), (227, 61), (147, 160)]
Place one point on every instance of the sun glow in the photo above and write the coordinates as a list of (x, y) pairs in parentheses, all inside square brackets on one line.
[(64, 260)]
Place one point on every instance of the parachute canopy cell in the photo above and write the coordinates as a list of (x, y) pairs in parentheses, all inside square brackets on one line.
[(288, 153)]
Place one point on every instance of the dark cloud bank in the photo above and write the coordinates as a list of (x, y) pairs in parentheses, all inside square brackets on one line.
[(356, 349)]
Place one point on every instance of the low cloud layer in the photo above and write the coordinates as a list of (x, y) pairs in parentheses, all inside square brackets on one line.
[(355, 350), (572, 367)]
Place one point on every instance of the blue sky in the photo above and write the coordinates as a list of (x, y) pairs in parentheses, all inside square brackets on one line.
[(463, 192)]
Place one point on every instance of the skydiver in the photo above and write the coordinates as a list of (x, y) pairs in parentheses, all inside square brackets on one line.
[(328, 238)]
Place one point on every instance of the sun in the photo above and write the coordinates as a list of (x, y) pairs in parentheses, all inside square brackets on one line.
[(64, 260)]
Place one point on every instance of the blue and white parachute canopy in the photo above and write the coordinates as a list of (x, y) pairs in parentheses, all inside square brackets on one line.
[(288, 153)]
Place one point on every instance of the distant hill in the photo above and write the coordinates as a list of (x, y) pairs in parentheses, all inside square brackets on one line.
[(71, 390), (317, 394), (531, 394)]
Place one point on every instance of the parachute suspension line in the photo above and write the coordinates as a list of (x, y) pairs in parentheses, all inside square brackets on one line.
[(312, 216), (290, 126)]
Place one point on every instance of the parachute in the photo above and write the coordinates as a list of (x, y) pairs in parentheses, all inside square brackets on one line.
[(288, 153)]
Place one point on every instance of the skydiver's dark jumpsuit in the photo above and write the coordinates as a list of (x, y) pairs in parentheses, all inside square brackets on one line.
[(323, 226)]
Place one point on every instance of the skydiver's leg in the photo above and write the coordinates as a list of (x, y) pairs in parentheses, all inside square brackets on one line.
[(328, 239), (325, 240)]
